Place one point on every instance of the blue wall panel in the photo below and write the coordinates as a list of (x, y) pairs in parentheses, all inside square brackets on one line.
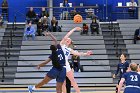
[(103, 15), (18, 8)]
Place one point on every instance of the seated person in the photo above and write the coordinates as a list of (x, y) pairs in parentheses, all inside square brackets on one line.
[(31, 15), (1, 20), (90, 13), (76, 62), (44, 13), (85, 29), (39, 28), (4, 8), (137, 35), (54, 25), (132, 8), (46, 23), (94, 26), (29, 31), (73, 13)]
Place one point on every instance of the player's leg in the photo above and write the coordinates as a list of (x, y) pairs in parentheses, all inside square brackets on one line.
[(68, 85), (117, 85), (64, 87), (70, 75), (44, 81), (60, 80), (50, 75), (59, 87), (40, 84), (116, 88)]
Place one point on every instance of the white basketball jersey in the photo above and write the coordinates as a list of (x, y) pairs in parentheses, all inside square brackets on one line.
[(66, 51)]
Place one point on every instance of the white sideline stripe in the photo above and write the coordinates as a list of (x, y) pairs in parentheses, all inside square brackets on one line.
[(76, 74), (78, 80), (86, 68)]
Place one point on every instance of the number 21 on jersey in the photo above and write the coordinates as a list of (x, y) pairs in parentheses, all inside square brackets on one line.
[(60, 56)]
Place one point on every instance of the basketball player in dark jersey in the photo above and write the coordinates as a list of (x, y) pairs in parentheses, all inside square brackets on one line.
[(121, 68), (58, 70), (138, 68), (131, 79)]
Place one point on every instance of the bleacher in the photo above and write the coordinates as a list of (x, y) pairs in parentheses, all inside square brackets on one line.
[(10, 46), (96, 69), (128, 28), (34, 52), (2, 30)]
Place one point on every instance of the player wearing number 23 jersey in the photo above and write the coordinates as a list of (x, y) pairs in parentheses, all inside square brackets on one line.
[(132, 80)]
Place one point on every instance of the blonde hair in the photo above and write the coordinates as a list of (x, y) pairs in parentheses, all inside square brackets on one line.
[(133, 66)]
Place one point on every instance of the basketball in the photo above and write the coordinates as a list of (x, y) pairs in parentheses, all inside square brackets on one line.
[(77, 18)]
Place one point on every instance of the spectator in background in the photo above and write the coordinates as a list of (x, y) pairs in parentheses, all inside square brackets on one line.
[(73, 13), (46, 23), (39, 27), (5, 9), (75, 58), (94, 26), (37, 18), (54, 25), (76, 62), (1, 20), (85, 29), (29, 31), (44, 12), (137, 35), (90, 13), (132, 8), (31, 15), (65, 10)]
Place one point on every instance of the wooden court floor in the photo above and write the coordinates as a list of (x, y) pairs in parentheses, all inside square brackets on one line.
[(53, 90)]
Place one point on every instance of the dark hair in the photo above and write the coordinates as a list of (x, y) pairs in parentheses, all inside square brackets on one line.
[(94, 19), (53, 47), (124, 55), (84, 24)]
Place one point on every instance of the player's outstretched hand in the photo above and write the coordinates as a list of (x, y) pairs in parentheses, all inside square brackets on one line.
[(47, 33), (77, 28), (114, 76), (89, 53), (38, 67)]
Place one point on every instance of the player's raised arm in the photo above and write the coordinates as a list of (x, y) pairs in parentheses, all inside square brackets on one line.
[(52, 37), (88, 53), (68, 34)]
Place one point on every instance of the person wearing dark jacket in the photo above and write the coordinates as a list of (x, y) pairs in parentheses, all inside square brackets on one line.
[(137, 35), (31, 15), (44, 13), (94, 26), (5, 9), (54, 25)]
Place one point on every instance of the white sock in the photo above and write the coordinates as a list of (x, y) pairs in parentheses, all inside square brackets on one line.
[(33, 88)]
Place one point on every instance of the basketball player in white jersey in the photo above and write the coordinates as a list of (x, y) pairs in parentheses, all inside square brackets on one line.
[(65, 42)]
